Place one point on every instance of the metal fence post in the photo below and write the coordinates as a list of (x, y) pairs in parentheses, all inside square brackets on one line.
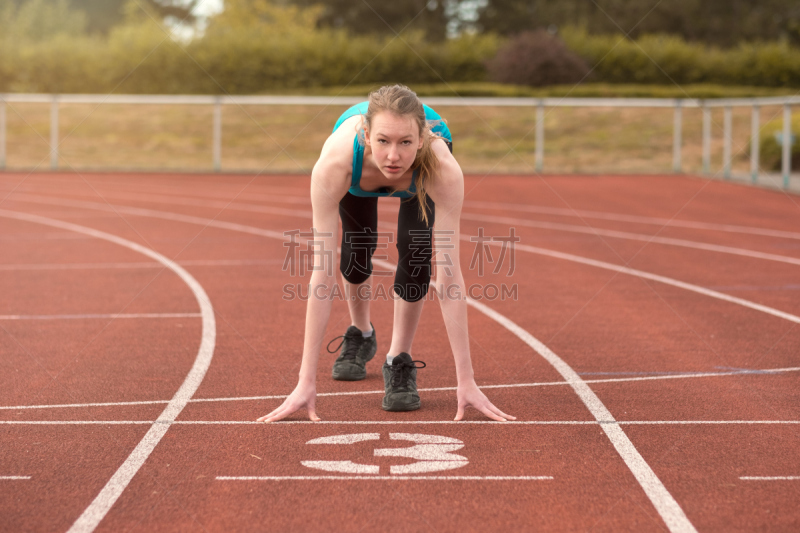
[(676, 137), (2, 132), (539, 136), (54, 133), (216, 148), (706, 139), (786, 158), (755, 142), (726, 147)]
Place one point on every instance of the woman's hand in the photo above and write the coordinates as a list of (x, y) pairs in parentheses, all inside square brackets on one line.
[(469, 395), (304, 395)]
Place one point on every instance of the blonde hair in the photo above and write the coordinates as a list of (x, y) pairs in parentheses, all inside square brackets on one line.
[(402, 101)]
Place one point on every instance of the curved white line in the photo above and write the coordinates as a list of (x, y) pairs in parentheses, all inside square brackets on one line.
[(634, 237), (528, 208), (532, 249), (97, 510), (659, 496), (619, 217), (654, 277), (555, 226), (663, 501)]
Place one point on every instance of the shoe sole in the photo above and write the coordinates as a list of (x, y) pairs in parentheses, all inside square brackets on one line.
[(400, 407), (346, 376)]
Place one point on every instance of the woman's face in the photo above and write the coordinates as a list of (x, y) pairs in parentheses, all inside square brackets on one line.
[(394, 140)]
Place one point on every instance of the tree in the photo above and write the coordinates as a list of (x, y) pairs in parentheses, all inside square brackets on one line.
[(383, 18), (102, 15), (719, 22)]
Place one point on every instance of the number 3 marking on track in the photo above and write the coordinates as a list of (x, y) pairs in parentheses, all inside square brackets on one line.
[(432, 452)]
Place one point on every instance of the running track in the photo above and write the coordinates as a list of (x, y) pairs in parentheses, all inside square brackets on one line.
[(651, 358)]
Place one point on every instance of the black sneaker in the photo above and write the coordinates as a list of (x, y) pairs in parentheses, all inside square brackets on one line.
[(400, 384), (351, 365)]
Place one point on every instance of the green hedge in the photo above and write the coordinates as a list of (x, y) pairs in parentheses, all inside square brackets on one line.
[(770, 151), (143, 59), (664, 59), (292, 55)]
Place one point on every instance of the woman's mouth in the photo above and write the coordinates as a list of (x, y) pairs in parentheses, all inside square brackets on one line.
[(393, 169)]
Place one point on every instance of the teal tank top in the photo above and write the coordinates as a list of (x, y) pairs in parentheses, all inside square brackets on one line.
[(440, 128)]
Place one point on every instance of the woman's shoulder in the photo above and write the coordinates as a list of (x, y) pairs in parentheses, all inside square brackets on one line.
[(339, 146), (448, 187), (334, 168)]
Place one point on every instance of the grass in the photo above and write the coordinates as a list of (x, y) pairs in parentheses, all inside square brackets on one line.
[(275, 139)]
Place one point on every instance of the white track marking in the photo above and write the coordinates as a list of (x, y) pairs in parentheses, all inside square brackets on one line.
[(761, 372), (111, 316), (14, 478), (577, 213), (384, 478), (663, 501), (398, 422), (531, 249), (97, 510), (566, 212), (432, 452), (126, 266), (770, 478), (347, 467), (635, 237), (654, 277), (659, 496), (506, 220), (346, 439)]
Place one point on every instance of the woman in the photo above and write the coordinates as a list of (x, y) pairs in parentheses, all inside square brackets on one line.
[(401, 149)]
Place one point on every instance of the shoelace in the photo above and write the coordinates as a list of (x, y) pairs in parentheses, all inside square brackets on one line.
[(402, 372), (351, 349)]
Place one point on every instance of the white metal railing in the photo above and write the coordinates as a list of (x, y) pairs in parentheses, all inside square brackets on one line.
[(540, 104)]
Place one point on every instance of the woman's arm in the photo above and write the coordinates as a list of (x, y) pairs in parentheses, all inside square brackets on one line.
[(448, 195), (326, 191)]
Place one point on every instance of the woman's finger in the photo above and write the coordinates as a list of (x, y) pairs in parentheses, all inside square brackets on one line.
[(460, 412), (270, 414), (312, 414), (279, 413), (501, 413), (488, 412), (281, 407)]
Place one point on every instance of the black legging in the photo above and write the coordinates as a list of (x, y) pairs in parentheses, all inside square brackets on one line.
[(359, 216), (414, 243)]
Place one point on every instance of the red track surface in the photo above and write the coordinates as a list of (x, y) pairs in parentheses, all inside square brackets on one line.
[(638, 342)]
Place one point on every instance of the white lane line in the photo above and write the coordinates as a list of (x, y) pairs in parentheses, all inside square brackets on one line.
[(770, 478), (494, 219), (97, 510), (653, 277), (760, 372), (636, 237), (14, 478), (384, 478), (633, 218), (398, 422), (659, 496), (134, 265), (526, 248), (566, 212), (665, 504), (104, 316)]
